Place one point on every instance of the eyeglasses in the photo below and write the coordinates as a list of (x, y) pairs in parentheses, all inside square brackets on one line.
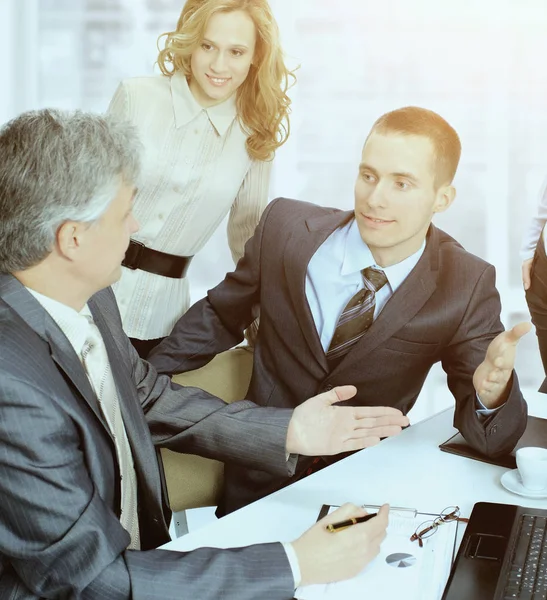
[(428, 528)]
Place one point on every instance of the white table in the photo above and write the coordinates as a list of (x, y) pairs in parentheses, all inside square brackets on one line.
[(408, 470)]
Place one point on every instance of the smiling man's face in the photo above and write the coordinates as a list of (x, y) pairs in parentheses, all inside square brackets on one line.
[(396, 195)]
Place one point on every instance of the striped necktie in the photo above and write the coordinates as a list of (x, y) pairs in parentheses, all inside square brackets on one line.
[(355, 319), (97, 366), (357, 316)]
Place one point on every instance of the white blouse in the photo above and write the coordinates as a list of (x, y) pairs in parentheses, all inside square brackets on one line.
[(195, 170), (536, 226)]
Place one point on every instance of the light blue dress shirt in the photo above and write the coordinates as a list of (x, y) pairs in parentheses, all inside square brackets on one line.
[(334, 276)]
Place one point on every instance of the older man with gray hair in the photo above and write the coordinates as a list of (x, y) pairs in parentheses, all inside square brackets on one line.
[(80, 414)]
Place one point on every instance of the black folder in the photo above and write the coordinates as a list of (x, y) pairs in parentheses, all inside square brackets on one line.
[(534, 435)]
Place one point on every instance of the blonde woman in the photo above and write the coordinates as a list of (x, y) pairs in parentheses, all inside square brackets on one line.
[(210, 125)]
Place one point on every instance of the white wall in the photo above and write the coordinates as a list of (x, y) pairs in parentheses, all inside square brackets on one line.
[(7, 62)]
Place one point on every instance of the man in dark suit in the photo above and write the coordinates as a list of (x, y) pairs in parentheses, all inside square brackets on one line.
[(373, 297), (81, 502)]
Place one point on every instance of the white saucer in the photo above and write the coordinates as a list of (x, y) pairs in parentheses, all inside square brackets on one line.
[(511, 481)]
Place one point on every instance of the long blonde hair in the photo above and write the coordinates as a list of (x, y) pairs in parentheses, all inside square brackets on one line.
[(262, 103)]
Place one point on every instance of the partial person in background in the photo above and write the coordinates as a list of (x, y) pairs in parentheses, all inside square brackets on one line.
[(534, 276), (210, 125)]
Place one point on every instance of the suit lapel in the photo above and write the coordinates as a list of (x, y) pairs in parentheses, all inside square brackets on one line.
[(405, 303), (297, 255), (138, 434), (62, 352)]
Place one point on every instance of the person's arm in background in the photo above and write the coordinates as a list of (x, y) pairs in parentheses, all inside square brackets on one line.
[(531, 238), (248, 206), (246, 211)]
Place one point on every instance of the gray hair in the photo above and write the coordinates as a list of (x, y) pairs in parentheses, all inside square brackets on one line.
[(56, 167)]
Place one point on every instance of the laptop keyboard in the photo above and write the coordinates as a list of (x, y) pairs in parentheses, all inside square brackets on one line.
[(527, 577)]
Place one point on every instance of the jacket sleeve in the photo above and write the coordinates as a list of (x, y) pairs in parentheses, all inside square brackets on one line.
[(59, 539), (500, 432), (188, 419)]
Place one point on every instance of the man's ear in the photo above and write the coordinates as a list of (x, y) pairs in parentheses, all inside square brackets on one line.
[(445, 197), (68, 239)]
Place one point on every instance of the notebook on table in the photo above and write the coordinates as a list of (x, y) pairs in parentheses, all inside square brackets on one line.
[(503, 555), (403, 568), (534, 435)]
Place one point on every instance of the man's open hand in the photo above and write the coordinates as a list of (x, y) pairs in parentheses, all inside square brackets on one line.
[(493, 374), (317, 428)]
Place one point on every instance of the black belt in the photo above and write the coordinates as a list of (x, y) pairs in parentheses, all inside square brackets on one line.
[(138, 256)]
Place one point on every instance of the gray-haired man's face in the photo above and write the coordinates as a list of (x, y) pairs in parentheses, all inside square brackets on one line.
[(103, 244)]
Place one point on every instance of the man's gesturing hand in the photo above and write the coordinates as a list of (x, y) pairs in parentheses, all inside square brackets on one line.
[(493, 374), (317, 428), (324, 557)]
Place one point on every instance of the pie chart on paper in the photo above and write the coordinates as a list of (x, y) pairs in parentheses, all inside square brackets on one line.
[(400, 560)]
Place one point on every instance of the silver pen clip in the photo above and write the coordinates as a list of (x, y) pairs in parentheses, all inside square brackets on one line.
[(400, 511)]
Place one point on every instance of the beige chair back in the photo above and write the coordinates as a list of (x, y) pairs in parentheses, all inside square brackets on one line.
[(194, 481)]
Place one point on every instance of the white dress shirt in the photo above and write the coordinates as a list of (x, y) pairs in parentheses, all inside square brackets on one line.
[(86, 339), (196, 169), (536, 226), (334, 276)]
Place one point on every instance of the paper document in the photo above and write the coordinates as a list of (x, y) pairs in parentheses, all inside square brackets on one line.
[(402, 570)]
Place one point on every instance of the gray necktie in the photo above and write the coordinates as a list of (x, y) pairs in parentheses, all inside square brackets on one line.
[(357, 315)]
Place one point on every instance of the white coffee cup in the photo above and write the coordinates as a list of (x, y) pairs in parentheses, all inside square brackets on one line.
[(532, 466)]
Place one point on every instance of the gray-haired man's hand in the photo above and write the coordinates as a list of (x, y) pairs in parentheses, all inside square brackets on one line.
[(324, 556)]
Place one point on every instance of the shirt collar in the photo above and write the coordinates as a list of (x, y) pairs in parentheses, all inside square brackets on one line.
[(357, 256), (75, 325), (187, 107)]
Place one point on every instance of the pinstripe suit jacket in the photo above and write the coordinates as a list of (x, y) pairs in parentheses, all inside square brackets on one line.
[(447, 310), (60, 535)]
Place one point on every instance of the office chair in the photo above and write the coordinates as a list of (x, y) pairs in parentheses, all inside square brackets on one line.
[(193, 481)]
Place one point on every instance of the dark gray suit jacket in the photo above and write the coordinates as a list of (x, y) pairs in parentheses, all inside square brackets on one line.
[(446, 310), (60, 535)]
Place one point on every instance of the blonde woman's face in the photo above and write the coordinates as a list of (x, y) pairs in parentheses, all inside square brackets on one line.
[(222, 61)]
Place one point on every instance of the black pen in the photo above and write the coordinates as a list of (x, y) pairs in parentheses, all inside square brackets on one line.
[(334, 527)]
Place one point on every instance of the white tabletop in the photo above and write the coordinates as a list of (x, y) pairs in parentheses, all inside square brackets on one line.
[(407, 471)]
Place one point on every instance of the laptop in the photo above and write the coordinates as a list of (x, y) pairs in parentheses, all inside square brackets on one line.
[(503, 555)]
